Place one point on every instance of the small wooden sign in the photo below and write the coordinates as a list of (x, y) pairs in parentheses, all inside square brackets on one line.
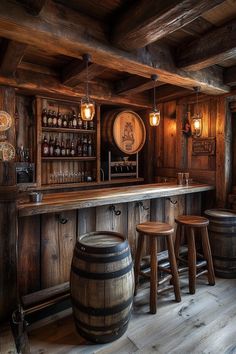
[(204, 146)]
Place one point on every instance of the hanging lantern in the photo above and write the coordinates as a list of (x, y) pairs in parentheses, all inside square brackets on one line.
[(154, 115), (87, 105)]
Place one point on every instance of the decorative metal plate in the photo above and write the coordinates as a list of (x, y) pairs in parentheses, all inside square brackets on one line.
[(7, 151), (5, 121)]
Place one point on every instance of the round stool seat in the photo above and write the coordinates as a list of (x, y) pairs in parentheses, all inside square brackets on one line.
[(155, 228), (192, 220)]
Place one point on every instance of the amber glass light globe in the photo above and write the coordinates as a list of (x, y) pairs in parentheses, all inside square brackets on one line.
[(87, 108), (154, 118)]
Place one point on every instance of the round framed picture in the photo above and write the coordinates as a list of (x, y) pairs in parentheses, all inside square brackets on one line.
[(5, 121)]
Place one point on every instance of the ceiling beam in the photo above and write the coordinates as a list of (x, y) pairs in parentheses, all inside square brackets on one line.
[(75, 73), (169, 92), (133, 84), (51, 86), (230, 76), (34, 7), (57, 31), (148, 21), (212, 48), (11, 57)]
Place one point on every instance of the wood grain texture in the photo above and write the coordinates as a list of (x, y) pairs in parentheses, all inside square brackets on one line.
[(12, 57)]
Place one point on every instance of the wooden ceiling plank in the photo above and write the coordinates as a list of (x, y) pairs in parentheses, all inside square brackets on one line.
[(75, 73), (230, 76), (212, 48), (148, 21), (12, 57), (57, 35), (133, 85), (34, 7), (51, 86)]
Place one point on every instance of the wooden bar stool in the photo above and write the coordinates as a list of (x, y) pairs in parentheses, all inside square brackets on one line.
[(153, 230), (190, 223)]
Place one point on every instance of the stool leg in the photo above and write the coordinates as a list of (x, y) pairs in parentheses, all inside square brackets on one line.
[(177, 242), (191, 260), (207, 254), (137, 262), (173, 267), (153, 280)]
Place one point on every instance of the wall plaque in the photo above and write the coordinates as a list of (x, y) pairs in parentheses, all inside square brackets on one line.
[(204, 146)]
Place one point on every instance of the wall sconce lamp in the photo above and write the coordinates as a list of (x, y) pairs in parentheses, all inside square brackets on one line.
[(197, 118), (87, 105), (154, 115)]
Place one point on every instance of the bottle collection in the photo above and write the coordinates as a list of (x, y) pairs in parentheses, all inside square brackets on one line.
[(82, 147), (82, 175), (51, 119)]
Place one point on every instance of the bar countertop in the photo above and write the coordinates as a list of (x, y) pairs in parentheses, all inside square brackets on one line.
[(57, 202)]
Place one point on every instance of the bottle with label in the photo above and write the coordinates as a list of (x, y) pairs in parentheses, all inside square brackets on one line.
[(72, 149), (45, 147), (85, 147), (79, 122), (85, 125), (79, 148), (57, 148), (51, 146), (59, 120), (44, 118), (68, 147), (63, 148), (70, 121), (74, 120), (49, 116), (64, 121), (90, 147), (91, 125), (54, 119)]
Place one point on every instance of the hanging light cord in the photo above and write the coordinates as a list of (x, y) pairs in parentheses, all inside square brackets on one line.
[(154, 96)]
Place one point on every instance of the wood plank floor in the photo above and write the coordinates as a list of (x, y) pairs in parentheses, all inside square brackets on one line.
[(202, 323)]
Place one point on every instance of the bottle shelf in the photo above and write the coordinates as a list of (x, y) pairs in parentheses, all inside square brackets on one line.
[(67, 158), (68, 130), (124, 174)]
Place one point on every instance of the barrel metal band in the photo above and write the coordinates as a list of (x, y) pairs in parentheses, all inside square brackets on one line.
[(102, 250), (101, 276), (87, 257), (101, 311)]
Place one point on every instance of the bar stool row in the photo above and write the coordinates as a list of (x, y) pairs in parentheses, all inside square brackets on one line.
[(189, 226)]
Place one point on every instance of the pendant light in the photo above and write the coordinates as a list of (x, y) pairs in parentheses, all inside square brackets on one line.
[(154, 115), (87, 105), (197, 118)]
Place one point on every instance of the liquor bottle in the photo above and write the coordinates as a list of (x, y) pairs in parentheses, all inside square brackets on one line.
[(90, 147), (45, 147), (79, 122), (59, 120), (54, 119), (85, 125), (85, 147), (51, 146), (68, 147), (44, 118), (70, 120), (49, 116), (64, 121), (63, 148), (79, 148), (91, 125), (57, 148), (72, 149), (74, 120)]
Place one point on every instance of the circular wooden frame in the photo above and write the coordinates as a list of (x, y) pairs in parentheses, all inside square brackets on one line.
[(127, 127), (5, 121)]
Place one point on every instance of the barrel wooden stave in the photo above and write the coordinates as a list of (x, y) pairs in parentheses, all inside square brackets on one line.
[(222, 236), (102, 307)]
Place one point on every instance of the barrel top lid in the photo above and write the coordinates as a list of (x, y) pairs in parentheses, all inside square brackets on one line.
[(221, 213), (101, 239)]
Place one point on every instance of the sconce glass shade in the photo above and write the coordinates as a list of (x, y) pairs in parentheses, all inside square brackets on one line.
[(87, 108), (154, 118), (197, 125)]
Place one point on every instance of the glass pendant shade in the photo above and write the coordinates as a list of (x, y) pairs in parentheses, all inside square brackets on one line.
[(87, 108), (197, 125), (154, 118), (87, 105)]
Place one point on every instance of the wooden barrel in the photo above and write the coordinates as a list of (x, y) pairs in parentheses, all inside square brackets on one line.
[(102, 286), (123, 131), (222, 235)]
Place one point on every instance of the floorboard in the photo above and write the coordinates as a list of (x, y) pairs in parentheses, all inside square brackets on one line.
[(204, 323)]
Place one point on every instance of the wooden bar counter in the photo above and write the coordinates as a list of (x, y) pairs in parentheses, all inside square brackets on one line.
[(57, 202)]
